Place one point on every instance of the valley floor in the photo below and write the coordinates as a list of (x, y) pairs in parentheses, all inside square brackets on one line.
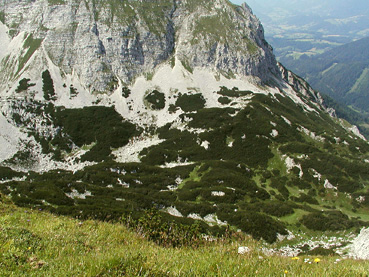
[(37, 243)]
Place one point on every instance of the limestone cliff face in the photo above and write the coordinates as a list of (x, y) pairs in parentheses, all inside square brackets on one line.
[(105, 42), (223, 37)]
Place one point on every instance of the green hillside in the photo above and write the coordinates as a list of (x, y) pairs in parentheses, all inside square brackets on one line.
[(36, 243), (271, 163), (342, 73)]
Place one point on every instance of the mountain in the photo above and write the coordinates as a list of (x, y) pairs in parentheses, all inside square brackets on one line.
[(116, 42), (111, 108), (302, 27), (342, 73)]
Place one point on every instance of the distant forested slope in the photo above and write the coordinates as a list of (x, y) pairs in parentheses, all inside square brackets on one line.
[(311, 27), (342, 73)]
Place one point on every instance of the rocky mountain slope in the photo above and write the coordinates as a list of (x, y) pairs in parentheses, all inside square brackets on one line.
[(117, 42), (111, 107)]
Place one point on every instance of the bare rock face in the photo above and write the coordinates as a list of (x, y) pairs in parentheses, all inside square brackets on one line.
[(359, 249), (106, 42), (223, 37)]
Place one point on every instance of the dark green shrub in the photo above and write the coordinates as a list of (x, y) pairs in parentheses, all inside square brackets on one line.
[(188, 195), (257, 224), (164, 232), (332, 221), (348, 186), (224, 100), (2, 17), (298, 147), (126, 92), (156, 99), (300, 183), (172, 108), (48, 86), (102, 125), (234, 92), (203, 209), (318, 251), (24, 85), (229, 196), (159, 155), (190, 102), (8, 173), (312, 192), (210, 118), (72, 91), (276, 208), (280, 184)]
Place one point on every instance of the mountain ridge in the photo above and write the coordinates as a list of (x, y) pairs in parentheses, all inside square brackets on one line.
[(144, 44), (217, 133)]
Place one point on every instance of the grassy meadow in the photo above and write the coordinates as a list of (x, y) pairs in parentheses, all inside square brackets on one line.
[(37, 243)]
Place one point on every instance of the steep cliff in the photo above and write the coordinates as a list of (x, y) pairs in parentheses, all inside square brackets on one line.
[(105, 42)]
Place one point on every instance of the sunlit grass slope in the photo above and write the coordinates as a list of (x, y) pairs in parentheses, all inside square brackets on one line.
[(37, 243)]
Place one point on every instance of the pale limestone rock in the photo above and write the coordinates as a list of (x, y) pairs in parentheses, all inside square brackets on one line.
[(104, 43), (359, 249), (243, 250)]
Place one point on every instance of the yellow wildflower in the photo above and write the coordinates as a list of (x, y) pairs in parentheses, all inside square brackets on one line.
[(295, 258), (316, 260)]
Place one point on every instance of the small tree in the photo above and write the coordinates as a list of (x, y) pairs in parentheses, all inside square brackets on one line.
[(48, 86), (23, 85)]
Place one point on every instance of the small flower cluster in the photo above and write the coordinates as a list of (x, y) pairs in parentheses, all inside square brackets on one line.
[(307, 260), (337, 261)]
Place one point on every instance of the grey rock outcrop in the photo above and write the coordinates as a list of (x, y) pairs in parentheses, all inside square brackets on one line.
[(105, 42), (359, 249)]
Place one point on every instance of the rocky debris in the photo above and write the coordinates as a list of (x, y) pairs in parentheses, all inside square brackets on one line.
[(336, 244), (243, 250), (35, 263), (359, 248)]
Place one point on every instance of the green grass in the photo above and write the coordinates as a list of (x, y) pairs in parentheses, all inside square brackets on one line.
[(149, 76), (212, 25), (30, 45), (195, 175), (186, 65), (2, 17), (36, 243), (293, 218), (276, 162), (56, 2), (125, 12)]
